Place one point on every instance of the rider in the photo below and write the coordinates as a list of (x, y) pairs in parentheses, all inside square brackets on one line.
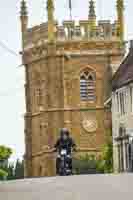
[(64, 142)]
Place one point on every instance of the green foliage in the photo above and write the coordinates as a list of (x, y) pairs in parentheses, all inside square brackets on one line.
[(105, 163), (3, 174), (19, 170), (14, 171), (89, 164), (10, 170), (5, 152), (86, 165), (108, 157)]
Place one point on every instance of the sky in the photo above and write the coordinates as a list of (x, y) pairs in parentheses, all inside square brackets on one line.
[(12, 102)]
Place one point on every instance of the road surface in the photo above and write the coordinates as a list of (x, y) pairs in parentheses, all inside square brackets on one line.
[(87, 187)]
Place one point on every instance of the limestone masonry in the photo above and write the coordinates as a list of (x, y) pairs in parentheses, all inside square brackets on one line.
[(68, 70)]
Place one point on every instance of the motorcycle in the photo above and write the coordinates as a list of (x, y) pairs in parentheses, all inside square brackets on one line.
[(64, 165)]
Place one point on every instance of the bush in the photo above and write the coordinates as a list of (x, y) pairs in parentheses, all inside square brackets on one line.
[(10, 170), (86, 165), (3, 174), (14, 170), (19, 170), (90, 165), (105, 162)]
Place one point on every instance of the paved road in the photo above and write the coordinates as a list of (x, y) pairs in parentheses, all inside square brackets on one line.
[(91, 187)]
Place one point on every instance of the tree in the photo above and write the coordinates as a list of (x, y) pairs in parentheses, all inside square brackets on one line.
[(5, 152)]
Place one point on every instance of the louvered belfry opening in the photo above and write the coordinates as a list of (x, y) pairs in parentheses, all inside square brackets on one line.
[(88, 85)]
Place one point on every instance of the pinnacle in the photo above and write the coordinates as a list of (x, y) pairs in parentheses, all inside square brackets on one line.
[(23, 8), (50, 4), (92, 13)]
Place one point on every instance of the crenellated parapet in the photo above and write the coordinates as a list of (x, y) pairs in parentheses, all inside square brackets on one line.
[(70, 31), (84, 30)]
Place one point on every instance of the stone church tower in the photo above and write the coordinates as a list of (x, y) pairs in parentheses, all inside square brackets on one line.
[(68, 70)]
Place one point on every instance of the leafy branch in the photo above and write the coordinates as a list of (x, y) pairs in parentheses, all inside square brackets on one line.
[(5, 152)]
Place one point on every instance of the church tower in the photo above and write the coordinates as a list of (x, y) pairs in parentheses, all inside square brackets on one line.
[(68, 69)]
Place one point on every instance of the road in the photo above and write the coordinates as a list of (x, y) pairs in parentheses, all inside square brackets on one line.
[(87, 187)]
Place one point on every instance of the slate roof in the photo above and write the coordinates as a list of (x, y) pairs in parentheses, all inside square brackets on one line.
[(124, 74)]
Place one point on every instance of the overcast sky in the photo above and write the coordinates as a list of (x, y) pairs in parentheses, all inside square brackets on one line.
[(12, 106)]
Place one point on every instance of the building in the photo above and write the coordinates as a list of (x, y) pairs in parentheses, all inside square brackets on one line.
[(122, 114), (68, 70)]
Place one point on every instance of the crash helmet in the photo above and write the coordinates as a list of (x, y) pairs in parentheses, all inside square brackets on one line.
[(64, 133)]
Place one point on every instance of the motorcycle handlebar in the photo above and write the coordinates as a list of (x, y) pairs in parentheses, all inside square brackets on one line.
[(73, 150), (55, 150)]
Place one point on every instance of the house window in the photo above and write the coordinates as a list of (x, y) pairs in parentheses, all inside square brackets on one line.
[(88, 86), (122, 105)]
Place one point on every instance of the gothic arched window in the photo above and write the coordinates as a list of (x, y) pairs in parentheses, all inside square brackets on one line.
[(88, 85)]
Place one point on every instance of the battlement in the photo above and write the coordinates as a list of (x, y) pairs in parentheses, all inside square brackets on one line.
[(72, 31)]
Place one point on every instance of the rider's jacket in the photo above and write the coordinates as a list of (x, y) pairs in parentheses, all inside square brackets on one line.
[(67, 144)]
